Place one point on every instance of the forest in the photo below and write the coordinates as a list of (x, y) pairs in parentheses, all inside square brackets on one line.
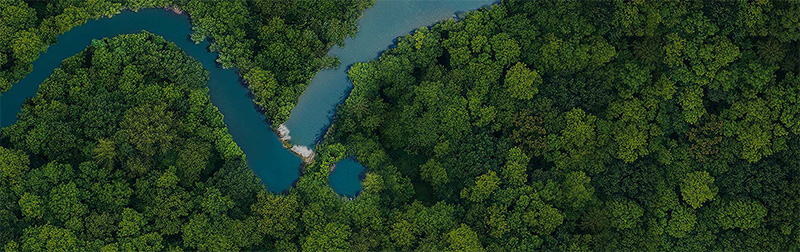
[(121, 149), (585, 125), (527, 125), (276, 45)]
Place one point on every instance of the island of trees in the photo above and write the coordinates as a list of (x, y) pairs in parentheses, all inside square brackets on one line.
[(529, 125)]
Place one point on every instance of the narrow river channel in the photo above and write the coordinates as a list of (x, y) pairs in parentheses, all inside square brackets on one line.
[(277, 167)]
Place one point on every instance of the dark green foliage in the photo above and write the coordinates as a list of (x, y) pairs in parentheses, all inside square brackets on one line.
[(530, 125), (129, 178), (587, 125)]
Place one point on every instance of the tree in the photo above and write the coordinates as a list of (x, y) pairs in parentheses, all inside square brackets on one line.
[(192, 161), (105, 152), (514, 171), (528, 132), (577, 189), (692, 103), (433, 172), (277, 215), (463, 239), (148, 129), (681, 222), (624, 213), (506, 49), (50, 238), (64, 203), (521, 82), (214, 203), (332, 237), (484, 186), (13, 164), (697, 188), (27, 45), (578, 139), (131, 223), (203, 233), (742, 214), (31, 206), (541, 218), (403, 234)]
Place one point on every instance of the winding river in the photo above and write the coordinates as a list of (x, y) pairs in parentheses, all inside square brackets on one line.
[(277, 167)]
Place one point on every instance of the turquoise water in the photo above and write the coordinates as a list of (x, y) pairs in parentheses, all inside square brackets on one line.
[(346, 176), (277, 167), (378, 29)]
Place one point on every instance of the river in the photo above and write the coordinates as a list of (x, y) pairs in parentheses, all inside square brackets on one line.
[(377, 31), (277, 167)]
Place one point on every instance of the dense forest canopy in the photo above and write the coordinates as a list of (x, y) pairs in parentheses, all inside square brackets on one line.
[(121, 149), (277, 45), (573, 125), (530, 125)]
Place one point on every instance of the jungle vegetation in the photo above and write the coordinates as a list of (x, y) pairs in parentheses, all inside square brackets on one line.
[(530, 125), (277, 45), (584, 125), (121, 149)]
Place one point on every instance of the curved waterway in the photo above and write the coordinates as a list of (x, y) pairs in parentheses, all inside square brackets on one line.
[(377, 30), (277, 167)]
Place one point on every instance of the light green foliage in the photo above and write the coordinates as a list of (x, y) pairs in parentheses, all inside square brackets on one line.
[(4, 84), (105, 152), (542, 219), (402, 233), (27, 46), (49, 238), (13, 165), (506, 49), (515, 170), (577, 189), (698, 188), (632, 142), (692, 103), (681, 222), (131, 223), (31, 206), (373, 183), (521, 82), (277, 215), (214, 203), (578, 138), (484, 186), (463, 239)]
